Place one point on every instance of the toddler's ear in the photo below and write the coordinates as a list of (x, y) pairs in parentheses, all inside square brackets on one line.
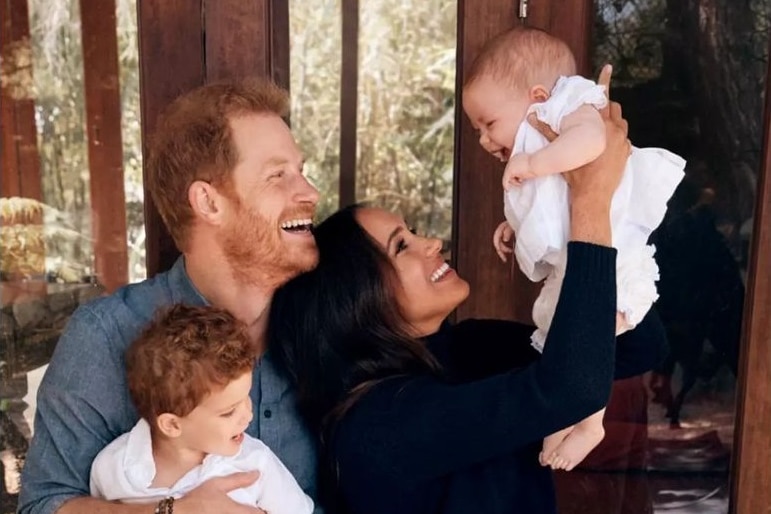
[(538, 94), (169, 425)]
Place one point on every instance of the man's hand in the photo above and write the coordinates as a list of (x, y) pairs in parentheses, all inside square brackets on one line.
[(211, 496), (517, 169), (502, 240)]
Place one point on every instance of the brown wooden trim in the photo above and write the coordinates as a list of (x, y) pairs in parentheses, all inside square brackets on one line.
[(18, 134), (349, 85), (187, 43), (750, 491), (171, 61), (279, 42), (101, 77), (477, 195), (497, 290), (237, 37)]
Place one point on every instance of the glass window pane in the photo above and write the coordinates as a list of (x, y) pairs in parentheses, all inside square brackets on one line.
[(691, 78), (315, 63), (406, 117), (47, 257), (405, 98)]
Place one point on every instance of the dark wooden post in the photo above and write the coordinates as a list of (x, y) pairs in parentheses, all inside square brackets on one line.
[(105, 145), (477, 194), (187, 43), (349, 100), (497, 290), (171, 61), (18, 136)]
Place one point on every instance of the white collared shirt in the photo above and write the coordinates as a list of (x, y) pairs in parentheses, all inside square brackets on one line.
[(125, 469)]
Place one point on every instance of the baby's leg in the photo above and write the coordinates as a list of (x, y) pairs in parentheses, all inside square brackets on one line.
[(621, 324), (551, 442), (584, 437)]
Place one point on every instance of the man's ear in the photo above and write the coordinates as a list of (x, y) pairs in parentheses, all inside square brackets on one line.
[(538, 94), (206, 201), (169, 425)]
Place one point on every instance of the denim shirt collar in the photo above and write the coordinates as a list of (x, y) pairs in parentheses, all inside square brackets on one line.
[(182, 288)]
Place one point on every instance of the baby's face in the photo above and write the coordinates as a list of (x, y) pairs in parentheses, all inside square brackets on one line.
[(496, 111)]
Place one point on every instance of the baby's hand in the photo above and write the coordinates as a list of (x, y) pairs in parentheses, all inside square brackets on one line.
[(517, 169), (502, 240)]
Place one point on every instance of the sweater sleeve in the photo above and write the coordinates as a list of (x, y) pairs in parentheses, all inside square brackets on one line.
[(419, 428), (480, 348)]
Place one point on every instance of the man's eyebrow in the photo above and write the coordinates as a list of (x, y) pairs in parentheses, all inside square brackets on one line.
[(280, 161), (275, 161), (393, 234)]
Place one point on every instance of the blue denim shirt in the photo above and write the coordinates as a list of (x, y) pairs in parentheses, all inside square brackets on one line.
[(83, 402)]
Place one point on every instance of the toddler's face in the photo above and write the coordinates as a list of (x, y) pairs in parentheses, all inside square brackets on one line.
[(496, 111), (218, 423)]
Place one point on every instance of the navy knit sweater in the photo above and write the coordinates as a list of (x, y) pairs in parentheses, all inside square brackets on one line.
[(468, 443)]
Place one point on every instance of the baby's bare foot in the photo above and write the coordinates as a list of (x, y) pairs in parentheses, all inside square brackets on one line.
[(576, 446), (551, 443)]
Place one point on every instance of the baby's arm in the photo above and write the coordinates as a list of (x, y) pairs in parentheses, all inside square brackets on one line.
[(502, 240), (580, 141)]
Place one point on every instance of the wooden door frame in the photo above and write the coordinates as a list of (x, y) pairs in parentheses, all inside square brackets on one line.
[(751, 474)]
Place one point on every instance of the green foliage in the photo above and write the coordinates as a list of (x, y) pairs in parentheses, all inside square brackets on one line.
[(60, 116), (58, 91), (405, 104)]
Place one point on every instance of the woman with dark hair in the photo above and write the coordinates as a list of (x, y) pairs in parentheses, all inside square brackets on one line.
[(420, 416)]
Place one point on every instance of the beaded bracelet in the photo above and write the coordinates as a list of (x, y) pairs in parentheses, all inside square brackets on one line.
[(165, 506)]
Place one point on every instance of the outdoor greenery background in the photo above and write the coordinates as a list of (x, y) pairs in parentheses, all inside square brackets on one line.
[(406, 104), (690, 74)]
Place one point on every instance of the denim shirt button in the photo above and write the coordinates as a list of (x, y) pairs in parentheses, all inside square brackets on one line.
[(267, 413)]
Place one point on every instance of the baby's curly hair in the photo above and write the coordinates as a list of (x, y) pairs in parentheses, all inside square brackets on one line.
[(183, 355)]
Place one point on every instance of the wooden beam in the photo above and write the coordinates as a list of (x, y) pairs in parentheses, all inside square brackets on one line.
[(477, 193), (101, 77), (497, 290), (750, 491), (237, 39), (171, 61), (570, 21), (187, 43), (279, 43), (18, 135), (349, 100)]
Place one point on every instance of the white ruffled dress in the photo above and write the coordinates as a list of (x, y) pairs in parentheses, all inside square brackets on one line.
[(538, 211)]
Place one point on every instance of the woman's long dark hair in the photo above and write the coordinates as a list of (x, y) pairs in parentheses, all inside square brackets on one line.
[(337, 330)]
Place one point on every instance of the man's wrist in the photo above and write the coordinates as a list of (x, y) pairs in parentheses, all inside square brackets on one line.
[(165, 506)]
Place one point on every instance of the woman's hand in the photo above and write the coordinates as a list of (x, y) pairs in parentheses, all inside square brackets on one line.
[(600, 178)]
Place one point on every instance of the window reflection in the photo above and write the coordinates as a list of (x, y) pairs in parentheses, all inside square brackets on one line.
[(46, 241), (690, 79)]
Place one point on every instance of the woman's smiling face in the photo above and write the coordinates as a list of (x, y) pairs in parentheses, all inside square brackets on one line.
[(428, 290)]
